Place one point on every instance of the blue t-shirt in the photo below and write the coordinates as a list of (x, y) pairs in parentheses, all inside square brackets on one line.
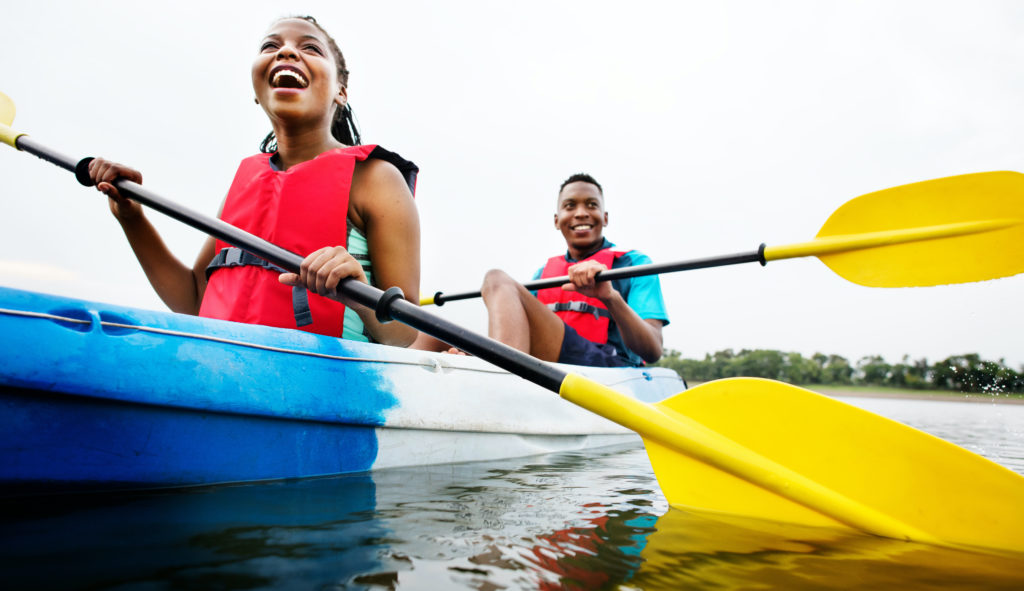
[(643, 294)]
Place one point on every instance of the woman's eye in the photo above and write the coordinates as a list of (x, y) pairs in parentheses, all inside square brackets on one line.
[(268, 45), (315, 49)]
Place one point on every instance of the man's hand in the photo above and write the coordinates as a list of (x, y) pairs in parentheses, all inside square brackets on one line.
[(581, 277)]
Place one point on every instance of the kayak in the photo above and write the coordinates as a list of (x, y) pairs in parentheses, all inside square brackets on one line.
[(104, 397)]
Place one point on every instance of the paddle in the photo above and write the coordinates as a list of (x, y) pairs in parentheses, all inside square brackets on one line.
[(745, 446), (950, 230)]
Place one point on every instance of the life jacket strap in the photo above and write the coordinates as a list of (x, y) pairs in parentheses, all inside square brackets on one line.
[(236, 257), (578, 306)]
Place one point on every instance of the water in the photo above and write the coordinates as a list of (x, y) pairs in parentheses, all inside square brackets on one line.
[(594, 520), (993, 430)]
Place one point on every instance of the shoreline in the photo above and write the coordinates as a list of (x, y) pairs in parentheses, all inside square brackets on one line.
[(839, 391), (951, 397)]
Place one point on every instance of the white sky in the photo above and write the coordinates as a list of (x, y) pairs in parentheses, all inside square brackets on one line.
[(713, 126)]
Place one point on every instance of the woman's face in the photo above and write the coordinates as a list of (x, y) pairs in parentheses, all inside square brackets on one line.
[(294, 75)]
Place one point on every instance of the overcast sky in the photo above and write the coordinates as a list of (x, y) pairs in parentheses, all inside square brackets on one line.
[(713, 126)]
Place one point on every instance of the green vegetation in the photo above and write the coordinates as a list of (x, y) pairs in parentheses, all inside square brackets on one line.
[(959, 373)]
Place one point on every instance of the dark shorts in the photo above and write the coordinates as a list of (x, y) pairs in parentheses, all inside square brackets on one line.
[(577, 350)]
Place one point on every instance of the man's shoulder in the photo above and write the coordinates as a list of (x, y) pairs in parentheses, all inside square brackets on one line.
[(630, 258)]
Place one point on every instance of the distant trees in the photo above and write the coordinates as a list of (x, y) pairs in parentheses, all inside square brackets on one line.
[(959, 373), (969, 373)]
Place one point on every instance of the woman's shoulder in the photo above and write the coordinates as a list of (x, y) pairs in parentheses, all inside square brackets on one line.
[(379, 172), (379, 158), (381, 189), (378, 175)]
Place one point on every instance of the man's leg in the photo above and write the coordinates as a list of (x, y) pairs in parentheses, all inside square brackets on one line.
[(425, 342), (518, 319)]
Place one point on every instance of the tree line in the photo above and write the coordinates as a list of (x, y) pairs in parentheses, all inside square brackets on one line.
[(958, 373)]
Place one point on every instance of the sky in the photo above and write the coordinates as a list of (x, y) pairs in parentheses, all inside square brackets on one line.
[(713, 127)]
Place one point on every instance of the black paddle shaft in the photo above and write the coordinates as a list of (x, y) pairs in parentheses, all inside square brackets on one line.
[(756, 256), (389, 304)]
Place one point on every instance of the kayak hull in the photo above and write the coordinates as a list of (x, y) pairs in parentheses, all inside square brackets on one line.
[(100, 397)]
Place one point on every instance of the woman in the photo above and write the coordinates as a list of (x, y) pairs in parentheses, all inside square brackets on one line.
[(312, 189)]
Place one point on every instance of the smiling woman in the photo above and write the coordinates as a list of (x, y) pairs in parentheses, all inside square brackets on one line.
[(313, 189), (288, 80)]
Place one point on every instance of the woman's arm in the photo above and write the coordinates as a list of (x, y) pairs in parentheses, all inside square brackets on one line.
[(382, 206), (179, 286)]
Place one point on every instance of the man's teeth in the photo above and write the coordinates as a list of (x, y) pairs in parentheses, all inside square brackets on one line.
[(582, 227), (302, 83)]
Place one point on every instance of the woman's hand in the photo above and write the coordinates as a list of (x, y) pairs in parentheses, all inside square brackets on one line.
[(323, 270), (103, 173)]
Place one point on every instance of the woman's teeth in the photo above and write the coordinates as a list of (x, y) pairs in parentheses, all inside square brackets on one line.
[(288, 79)]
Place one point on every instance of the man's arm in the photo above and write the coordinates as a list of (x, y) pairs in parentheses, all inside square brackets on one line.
[(642, 336)]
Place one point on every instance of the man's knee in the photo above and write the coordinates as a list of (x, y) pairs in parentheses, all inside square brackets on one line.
[(495, 279)]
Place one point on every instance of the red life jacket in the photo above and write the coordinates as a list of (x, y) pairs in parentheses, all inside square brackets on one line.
[(300, 209), (588, 316)]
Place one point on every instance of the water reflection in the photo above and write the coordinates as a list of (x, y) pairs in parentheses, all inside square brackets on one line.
[(569, 521), (714, 552), (235, 537), (990, 429)]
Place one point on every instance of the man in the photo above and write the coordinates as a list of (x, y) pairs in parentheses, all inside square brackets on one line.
[(585, 322)]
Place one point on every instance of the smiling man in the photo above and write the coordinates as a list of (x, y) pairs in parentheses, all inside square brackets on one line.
[(584, 322)]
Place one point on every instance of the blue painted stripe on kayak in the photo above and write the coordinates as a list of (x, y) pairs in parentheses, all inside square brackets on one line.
[(87, 443), (187, 372), (175, 409)]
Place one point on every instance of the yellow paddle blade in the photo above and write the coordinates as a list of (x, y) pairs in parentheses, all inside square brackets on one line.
[(7, 135), (6, 109), (673, 437), (897, 481), (951, 230)]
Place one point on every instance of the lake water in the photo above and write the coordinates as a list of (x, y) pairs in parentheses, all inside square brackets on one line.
[(592, 520)]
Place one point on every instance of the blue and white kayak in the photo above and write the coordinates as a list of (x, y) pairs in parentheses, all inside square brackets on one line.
[(103, 397)]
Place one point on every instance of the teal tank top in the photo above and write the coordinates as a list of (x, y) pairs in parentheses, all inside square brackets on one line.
[(357, 246)]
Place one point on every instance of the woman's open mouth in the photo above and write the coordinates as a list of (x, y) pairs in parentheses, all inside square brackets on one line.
[(286, 77)]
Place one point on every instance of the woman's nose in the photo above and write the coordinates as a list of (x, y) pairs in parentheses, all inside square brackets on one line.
[(286, 51)]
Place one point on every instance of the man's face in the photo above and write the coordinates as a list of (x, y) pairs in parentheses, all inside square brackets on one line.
[(580, 216)]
